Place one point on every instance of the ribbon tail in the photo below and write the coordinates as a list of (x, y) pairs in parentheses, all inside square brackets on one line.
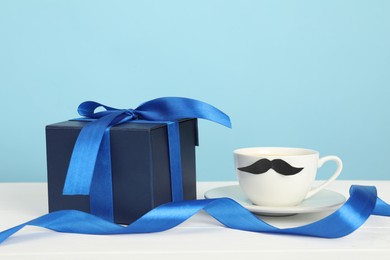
[(101, 195), (381, 208), (346, 219), (342, 222), (175, 161), (82, 163), (9, 232)]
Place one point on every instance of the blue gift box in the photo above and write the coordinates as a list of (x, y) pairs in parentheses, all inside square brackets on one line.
[(140, 166), (119, 164)]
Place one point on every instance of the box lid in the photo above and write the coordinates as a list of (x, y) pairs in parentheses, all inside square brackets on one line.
[(132, 126)]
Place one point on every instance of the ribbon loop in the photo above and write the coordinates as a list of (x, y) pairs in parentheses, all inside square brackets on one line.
[(88, 108), (174, 108)]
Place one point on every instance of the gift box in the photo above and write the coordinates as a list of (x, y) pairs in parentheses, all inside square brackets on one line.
[(139, 161), (118, 164)]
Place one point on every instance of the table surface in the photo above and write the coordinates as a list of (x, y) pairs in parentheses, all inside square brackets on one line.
[(200, 236)]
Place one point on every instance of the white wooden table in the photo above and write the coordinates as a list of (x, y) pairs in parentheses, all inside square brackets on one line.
[(200, 237)]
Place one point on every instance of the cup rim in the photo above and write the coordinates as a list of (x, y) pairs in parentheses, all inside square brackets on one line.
[(279, 151)]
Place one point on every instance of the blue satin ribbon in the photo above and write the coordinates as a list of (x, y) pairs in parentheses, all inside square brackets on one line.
[(362, 203), (94, 143), (89, 171)]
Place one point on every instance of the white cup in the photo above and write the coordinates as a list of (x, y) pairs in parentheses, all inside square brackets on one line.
[(279, 176)]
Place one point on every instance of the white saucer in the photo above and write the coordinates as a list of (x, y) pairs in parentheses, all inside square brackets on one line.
[(324, 200)]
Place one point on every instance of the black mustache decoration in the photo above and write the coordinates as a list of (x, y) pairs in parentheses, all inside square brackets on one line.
[(263, 165)]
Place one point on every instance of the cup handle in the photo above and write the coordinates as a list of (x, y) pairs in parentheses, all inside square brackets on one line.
[(321, 161)]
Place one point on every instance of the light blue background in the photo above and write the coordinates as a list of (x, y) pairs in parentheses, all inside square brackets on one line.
[(312, 74)]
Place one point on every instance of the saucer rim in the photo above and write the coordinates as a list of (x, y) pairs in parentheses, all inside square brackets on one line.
[(298, 209)]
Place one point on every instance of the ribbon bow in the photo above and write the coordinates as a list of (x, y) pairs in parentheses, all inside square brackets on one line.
[(89, 169)]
